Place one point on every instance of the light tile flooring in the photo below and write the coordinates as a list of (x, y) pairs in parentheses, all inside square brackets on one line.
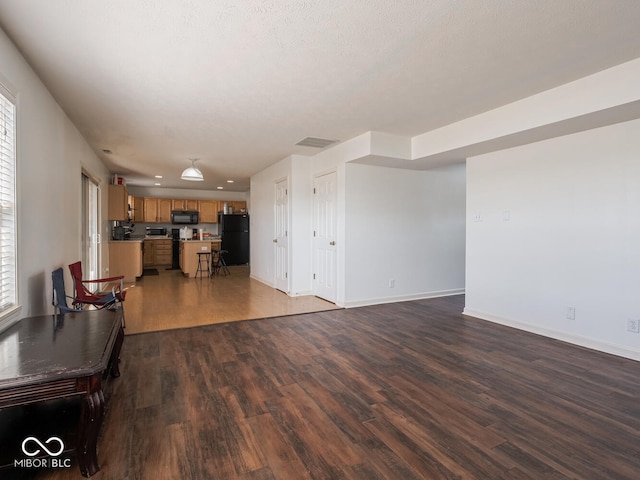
[(170, 300)]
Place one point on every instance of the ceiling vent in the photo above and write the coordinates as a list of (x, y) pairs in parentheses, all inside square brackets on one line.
[(315, 142)]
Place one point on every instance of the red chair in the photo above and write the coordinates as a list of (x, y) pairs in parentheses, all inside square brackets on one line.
[(84, 296)]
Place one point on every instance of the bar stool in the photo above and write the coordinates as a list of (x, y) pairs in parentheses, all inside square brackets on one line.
[(218, 264), (206, 260)]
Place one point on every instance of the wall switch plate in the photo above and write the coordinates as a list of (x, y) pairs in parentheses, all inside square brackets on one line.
[(392, 283), (477, 217), (506, 215), (633, 325), (571, 313)]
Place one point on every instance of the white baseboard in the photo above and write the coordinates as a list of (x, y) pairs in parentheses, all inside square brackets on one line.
[(613, 349), (262, 280), (300, 294), (403, 298), (272, 285)]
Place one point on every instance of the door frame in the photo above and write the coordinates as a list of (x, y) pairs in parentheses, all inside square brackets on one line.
[(91, 220)]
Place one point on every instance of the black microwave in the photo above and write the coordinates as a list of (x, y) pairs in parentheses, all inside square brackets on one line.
[(184, 217)]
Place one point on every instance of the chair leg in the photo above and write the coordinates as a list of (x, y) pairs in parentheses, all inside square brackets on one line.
[(223, 266)]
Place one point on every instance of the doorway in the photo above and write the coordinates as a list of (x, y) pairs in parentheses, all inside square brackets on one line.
[(325, 260), (90, 228)]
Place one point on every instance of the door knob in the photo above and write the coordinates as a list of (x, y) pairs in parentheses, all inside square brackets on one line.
[(332, 243), (275, 240)]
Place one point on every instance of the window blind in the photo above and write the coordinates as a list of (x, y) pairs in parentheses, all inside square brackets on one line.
[(8, 292)]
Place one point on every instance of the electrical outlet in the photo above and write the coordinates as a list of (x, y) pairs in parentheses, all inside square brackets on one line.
[(571, 313), (633, 325)]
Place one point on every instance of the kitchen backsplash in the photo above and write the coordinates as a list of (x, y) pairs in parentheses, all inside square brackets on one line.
[(140, 228)]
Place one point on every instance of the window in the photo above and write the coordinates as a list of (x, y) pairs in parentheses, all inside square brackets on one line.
[(8, 289)]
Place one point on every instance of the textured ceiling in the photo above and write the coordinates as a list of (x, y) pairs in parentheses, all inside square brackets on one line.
[(239, 83)]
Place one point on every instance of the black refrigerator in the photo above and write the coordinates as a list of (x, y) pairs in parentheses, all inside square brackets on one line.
[(234, 231)]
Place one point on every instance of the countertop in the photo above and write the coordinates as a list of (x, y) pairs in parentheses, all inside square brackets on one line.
[(155, 237), (210, 239)]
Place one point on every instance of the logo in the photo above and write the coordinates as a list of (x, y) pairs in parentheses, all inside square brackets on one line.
[(33, 453), (53, 447)]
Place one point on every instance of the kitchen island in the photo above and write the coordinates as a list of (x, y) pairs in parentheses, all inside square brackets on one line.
[(189, 250), (125, 258)]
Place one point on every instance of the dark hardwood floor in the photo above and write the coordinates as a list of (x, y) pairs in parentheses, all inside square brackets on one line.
[(402, 391)]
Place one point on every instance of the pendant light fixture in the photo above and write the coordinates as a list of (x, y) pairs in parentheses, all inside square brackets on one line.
[(192, 173)]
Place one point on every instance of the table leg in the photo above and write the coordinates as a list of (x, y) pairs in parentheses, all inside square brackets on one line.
[(90, 422), (114, 360)]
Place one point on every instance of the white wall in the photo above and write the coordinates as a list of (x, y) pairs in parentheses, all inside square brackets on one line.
[(51, 155), (572, 240), (406, 226), (296, 169), (263, 219), (301, 225)]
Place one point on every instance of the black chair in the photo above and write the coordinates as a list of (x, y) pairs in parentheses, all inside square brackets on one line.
[(218, 265), (59, 300)]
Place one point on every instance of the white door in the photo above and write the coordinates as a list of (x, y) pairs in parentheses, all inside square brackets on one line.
[(281, 239), (324, 236)]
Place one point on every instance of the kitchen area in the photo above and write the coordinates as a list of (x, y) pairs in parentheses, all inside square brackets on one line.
[(160, 233)]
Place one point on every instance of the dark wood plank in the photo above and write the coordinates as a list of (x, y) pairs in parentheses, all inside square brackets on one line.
[(413, 390)]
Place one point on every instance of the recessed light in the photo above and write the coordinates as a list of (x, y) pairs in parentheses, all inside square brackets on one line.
[(158, 176), (220, 188), (229, 181), (158, 184)]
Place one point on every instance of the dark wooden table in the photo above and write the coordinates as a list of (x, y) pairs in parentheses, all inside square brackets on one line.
[(53, 357)]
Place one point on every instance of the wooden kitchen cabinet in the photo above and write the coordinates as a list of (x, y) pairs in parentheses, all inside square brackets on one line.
[(150, 210), (157, 210), (162, 252), (208, 211), (137, 209), (164, 210), (158, 251), (118, 203), (149, 253), (236, 205), (191, 205)]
